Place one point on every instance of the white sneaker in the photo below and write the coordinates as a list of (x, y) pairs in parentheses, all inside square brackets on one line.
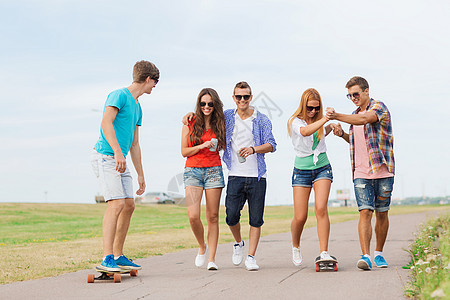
[(250, 263), (325, 256), (297, 258), (212, 266), (200, 258), (238, 253)]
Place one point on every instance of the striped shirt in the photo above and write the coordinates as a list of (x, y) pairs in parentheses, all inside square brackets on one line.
[(262, 134), (379, 138)]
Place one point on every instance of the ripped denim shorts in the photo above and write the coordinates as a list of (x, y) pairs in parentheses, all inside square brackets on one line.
[(369, 191), (207, 178)]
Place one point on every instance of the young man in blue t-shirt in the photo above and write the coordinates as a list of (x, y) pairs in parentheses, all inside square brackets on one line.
[(119, 134)]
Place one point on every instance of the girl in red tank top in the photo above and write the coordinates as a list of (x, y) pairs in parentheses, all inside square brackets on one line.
[(200, 142)]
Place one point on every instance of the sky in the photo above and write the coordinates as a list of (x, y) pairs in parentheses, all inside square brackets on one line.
[(60, 59)]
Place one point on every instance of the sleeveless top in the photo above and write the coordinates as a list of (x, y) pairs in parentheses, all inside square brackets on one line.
[(204, 158)]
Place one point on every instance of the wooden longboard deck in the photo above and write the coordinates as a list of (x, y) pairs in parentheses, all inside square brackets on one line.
[(122, 271), (108, 275)]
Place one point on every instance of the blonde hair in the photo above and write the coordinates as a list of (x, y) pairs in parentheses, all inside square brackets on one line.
[(309, 94)]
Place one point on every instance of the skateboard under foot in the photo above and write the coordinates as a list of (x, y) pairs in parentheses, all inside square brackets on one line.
[(326, 265), (108, 275)]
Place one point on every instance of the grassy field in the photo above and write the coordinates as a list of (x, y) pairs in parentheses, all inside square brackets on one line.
[(43, 240), (430, 261)]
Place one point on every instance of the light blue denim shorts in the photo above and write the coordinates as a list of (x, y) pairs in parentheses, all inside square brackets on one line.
[(114, 185), (369, 191), (306, 178), (207, 178)]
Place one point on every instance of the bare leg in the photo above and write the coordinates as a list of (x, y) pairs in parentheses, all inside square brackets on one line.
[(193, 200), (236, 231), (365, 230), (301, 197), (123, 223), (253, 239), (381, 229), (321, 192), (110, 224), (212, 217)]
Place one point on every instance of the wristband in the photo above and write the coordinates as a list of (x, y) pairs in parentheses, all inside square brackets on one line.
[(254, 151)]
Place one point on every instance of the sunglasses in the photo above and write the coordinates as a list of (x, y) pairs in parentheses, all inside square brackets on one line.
[(354, 95), (311, 108), (239, 97), (210, 104)]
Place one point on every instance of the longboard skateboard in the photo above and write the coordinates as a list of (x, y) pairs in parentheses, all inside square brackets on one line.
[(326, 265), (108, 275)]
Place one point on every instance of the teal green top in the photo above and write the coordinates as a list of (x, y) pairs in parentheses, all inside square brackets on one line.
[(306, 163)]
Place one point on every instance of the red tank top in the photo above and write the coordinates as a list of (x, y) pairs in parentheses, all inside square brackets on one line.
[(204, 158)]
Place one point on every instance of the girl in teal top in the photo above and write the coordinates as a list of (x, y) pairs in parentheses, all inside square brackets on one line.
[(312, 169)]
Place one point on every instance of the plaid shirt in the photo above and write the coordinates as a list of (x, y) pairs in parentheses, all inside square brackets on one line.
[(262, 134), (379, 138)]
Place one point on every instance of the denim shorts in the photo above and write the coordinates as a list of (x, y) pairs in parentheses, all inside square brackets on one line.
[(207, 178), (306, 178), (369, 191), (240, 190), (114, 185)]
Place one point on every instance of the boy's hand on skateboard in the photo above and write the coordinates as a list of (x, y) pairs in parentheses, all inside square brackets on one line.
[(121, 163), (141, 182)]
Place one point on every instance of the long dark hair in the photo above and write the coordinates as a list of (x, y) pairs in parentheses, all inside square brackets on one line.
[(217, 120)]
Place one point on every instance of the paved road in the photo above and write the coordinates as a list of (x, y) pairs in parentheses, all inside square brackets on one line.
[(174, 276)]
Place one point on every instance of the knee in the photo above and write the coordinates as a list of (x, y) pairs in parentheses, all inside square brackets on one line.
[(321, 211), (233, 217), (213, 218), (382, 216), (129, 206), (365, 214), (300, 220), (116, 207), (194, 219)]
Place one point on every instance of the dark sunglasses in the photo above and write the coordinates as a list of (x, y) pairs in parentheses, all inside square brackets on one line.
[(354, 95), (239, 97), (311, 108), (155, 80), (210, 104)]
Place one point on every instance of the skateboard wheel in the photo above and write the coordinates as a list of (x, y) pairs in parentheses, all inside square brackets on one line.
[(133, 272), (117, 278), (335, 268), (317, 268), (90, 278)]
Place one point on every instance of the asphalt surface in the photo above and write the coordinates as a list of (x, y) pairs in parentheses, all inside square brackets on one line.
[(174, 275)]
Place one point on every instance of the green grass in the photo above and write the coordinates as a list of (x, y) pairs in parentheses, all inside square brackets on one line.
[(430, 261), (42, 240), (25, 223)]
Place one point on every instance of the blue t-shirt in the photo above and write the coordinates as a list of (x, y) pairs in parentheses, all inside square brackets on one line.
[(128, 116)]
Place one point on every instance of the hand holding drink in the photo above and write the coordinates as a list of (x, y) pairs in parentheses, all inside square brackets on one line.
[(213, 148)]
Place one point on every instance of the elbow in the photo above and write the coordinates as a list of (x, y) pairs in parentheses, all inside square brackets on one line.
[(134, 146), (273, 147), (104, 124)]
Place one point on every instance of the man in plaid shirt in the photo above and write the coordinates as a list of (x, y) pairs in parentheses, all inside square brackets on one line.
[(372, 156)]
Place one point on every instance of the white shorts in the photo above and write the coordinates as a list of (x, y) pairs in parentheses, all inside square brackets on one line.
[(114, 185)]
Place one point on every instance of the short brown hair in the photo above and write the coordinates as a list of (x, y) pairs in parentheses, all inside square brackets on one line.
[(143, 69), (357, 80), (242, 85)]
